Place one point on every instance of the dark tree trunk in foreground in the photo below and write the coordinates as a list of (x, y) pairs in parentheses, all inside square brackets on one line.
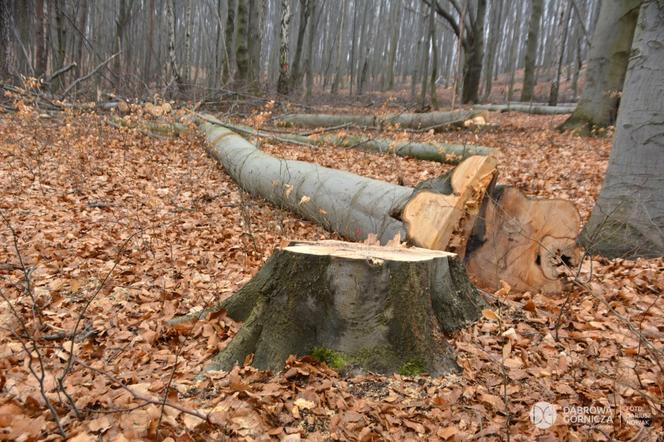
[(607, 64), (531, 50), (628, 219), (383, 309)]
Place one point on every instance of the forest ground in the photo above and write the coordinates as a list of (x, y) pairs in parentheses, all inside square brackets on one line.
[(123, 231)]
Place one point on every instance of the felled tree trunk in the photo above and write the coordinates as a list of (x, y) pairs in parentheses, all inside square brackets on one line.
[(351, 205), (404, 120), (527, 108), (382, 309), (439, 214), (440, 152)]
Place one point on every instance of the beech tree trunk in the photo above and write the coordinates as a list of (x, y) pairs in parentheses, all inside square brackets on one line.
[(383, 309), (440, 152), (607, 64), (473, 54), (628, 219), (533, 108), (242, 48), (438, 214), (284, 33), (175, 70), (413, 121), (4, 41), (531, 50)]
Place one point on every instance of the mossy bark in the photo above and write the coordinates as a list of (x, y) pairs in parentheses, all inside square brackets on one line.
[(380, 314)]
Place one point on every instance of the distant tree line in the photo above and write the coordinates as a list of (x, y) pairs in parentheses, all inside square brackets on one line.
[(298, 47)]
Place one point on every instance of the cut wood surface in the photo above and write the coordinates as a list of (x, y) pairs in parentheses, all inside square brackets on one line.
[(526, 242), (378, 308), (526, 108), (404, 120), (432, 218), (440, 152)]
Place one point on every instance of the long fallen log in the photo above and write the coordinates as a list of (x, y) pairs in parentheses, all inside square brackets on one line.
[(440, 152), (440, 216), (526, 108), (433, 120)]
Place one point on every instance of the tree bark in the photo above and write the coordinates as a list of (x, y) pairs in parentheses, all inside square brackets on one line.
[(628, 219), (41, 53), (229, 41), (255, 42), (284, 33), (440, 152), (296, 74), (242, 54), (4, 41), (175, 70), (607, 64), (406, 120), (533, 108), (394, 41), (531, 50), (382, 309), (474, 52), (561, 47)]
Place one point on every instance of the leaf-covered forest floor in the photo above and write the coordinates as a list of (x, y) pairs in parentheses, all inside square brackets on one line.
[(118, 232)]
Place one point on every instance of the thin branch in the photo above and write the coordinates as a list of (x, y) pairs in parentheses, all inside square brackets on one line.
[(88, 75)]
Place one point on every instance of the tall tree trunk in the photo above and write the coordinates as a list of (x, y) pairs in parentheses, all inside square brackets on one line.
[(147, 69), (309, 62), (242, 53), (628, 219), (229, 65), (337, 75), (284, 33), (82, 25), (516, 31), (296, 74), (531, 50), (187, 42), (173, 62), (120, 26), (607, 64), (4, 41), (434, 60), (474, 52), (555, 84), (255, 41), (494, 38), (61, 35), (41, 53), (394, 42)]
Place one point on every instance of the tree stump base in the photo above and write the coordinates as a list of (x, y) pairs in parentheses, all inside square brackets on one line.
[(381, 309)]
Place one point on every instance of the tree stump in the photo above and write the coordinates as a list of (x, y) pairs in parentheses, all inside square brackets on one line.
[(379, 308)]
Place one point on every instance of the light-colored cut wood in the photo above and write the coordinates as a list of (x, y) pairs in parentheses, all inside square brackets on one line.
[(432, 219)]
